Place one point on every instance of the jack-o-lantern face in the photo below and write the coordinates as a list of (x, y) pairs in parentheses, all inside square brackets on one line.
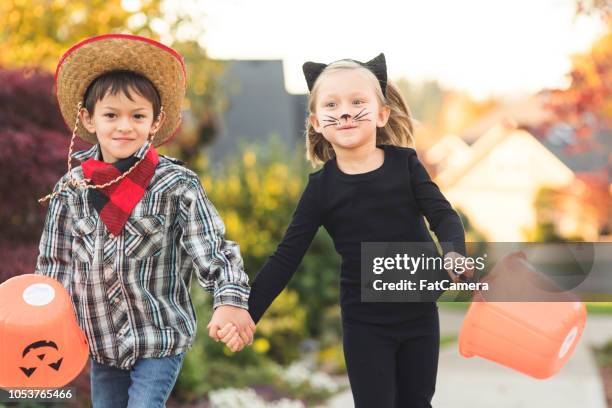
[(41, 343), (38, 354)]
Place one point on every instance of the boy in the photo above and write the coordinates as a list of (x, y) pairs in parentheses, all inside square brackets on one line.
[(125, 230)]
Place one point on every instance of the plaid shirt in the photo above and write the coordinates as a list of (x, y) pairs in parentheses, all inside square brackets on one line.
[(131, 292)]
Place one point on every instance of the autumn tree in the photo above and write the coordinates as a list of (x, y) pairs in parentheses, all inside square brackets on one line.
[(33, 147), (586, 105), (37, 32), (33, 36)]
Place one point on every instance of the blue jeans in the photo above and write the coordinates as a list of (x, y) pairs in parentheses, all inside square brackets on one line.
[(148, 384)]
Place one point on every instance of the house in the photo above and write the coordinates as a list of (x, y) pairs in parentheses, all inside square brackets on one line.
[(497, 186), (590, 195), (449, 152), (258, 107), (495, 176)]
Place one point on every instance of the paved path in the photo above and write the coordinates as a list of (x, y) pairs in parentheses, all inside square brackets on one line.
[(478, 383)]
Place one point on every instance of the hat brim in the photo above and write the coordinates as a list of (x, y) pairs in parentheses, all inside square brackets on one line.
[(95, 56)]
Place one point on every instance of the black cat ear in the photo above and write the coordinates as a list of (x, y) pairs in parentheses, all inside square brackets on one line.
[(312, 70), (378, 65)]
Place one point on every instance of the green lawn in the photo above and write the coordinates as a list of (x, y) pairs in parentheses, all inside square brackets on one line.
[(447, 340), (592, 307), (599, 307)]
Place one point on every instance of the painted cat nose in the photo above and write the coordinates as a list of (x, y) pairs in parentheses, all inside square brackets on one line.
[(346, 116)]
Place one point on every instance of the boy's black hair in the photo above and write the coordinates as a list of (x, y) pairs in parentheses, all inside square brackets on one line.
[(123, 81)]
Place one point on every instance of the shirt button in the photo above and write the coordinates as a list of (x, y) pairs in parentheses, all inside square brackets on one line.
[(117, 300)]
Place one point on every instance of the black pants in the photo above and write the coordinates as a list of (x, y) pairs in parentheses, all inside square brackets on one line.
[(392, 366)]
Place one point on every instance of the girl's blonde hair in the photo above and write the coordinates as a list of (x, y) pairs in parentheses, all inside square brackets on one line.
[(399, 128)]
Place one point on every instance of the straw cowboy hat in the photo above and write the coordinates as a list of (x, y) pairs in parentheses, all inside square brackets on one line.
[(95, 56)]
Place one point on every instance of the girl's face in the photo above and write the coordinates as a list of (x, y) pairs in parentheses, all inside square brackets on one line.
[(121, 125), (347, 111)]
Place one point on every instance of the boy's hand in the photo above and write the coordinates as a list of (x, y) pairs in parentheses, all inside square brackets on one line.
[(231, 338), (232, 314)]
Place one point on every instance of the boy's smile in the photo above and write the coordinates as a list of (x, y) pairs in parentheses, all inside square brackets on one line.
[(121, 124)]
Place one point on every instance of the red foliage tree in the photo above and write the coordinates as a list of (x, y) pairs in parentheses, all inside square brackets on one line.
[(33, 150), (586, 105)]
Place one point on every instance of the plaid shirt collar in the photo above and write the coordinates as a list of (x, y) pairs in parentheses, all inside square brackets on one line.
[(94, 152)]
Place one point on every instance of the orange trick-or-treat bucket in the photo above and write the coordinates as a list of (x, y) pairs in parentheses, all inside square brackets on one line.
[(534, 338), (41, 344)]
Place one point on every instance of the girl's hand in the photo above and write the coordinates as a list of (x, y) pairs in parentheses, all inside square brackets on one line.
[(231, 314), (452, 259), (225, 334), (230, 336)]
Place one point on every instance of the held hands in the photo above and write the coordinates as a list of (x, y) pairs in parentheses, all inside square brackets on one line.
[(230, 336), (457, 259), (233, 326)]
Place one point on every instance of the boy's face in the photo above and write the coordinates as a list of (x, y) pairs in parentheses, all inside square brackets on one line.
[(347, 110), (121, 125)]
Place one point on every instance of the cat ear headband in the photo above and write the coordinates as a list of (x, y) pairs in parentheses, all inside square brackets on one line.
[(377, 65)]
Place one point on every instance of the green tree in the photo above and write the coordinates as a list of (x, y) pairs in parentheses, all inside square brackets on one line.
[(37, 32), (256, 195)]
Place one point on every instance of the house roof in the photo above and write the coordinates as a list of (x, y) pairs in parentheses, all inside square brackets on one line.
[(258, 106), (529, 114), (560, 137), (479, 149), (442, 148)]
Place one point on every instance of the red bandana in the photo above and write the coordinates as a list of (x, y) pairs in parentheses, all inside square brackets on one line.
[(116, 202)]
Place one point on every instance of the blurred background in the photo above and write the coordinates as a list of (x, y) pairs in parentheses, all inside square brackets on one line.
[(514, 122)]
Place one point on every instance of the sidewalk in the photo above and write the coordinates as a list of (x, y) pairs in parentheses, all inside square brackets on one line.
[(479, 383)]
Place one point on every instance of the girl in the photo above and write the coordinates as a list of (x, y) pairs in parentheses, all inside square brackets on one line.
[(371, 188)]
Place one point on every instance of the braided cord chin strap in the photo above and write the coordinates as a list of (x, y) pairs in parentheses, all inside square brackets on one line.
[(72, 181)]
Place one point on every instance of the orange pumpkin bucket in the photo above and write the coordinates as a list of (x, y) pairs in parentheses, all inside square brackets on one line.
[(534, 338), (41, 344)]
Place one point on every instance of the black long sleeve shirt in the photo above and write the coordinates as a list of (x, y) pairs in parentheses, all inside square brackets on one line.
[(383, 205)]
